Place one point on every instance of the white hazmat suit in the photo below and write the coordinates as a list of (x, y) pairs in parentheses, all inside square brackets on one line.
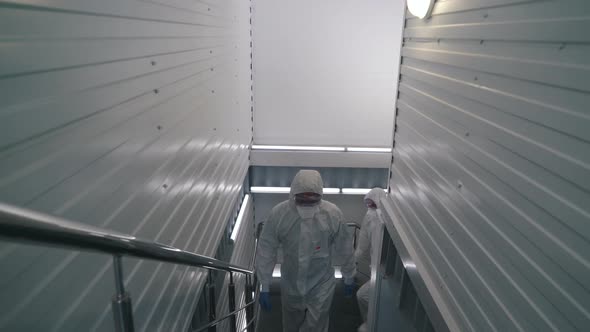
[(367, 239), (307, 275)]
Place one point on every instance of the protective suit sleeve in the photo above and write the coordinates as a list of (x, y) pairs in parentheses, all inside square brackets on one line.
[(344, 247), (363, 247), (266, 257)]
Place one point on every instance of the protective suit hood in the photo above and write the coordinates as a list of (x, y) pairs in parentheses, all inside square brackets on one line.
[(307, 181), (368, 236), (376, 194)]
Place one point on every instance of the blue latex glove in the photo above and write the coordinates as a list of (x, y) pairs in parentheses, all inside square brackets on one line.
[(264, 301), (348, 289)]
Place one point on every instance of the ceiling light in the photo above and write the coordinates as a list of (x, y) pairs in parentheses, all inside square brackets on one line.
[(420, 8)]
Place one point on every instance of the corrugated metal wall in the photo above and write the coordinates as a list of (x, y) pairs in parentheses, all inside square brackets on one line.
[(243, 252), (133, 115), (491, 180)]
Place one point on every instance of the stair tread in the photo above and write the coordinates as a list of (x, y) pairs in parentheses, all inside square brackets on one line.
[(344, 314)]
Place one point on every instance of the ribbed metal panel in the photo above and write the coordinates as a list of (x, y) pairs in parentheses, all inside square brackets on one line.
[(491, 180), (242, 255), (130, 115)]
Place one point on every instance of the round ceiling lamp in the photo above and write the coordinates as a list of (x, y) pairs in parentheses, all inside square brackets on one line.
[(420, 8)]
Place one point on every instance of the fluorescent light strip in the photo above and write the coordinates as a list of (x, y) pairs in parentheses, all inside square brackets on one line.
[(327, 191), (357, 191), (320, 148), (270, 190), (234, 233), (331, 191), (298, 148), (387, 150)]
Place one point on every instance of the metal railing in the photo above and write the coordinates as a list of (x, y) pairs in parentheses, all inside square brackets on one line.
[(18, 223)]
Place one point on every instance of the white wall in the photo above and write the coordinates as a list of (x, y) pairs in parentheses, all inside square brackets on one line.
[(115, 113), (491, 176), (325, 72)]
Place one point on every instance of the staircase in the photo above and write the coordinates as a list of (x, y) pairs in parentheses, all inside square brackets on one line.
[(344, 315)]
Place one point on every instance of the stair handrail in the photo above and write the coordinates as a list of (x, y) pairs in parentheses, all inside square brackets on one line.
[(21, 223), (18, 223)]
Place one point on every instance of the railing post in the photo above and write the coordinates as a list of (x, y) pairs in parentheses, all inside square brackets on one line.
[(212, 306), (250, 308), (121, 304), (232, 302)]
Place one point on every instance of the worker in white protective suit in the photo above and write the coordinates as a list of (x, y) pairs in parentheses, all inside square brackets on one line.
[(366, 241), (309, 229)]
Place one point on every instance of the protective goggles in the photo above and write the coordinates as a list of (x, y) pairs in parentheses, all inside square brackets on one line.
[(307, 199), (370, 204)]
